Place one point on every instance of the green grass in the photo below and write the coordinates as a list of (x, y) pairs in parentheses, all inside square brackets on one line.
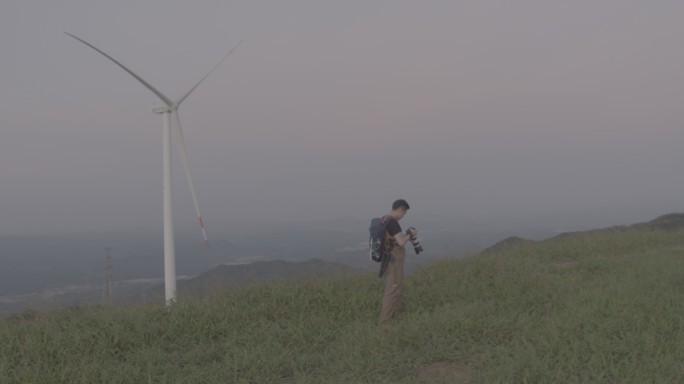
[(597, 307)]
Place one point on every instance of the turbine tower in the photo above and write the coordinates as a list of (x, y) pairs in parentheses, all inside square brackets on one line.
[(169, 108), (107, 292)]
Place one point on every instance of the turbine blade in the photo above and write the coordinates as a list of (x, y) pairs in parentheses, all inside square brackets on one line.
[(165, 99), (184, 157), (207, 75)]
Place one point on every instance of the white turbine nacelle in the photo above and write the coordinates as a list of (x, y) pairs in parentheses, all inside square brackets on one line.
[(162, 109), (169, 108)]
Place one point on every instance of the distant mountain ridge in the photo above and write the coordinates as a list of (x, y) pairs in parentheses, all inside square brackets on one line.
[(668, 222)]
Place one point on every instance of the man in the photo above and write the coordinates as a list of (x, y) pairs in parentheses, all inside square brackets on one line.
[(393, 299)]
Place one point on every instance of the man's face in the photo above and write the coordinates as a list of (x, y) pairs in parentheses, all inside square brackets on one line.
[(401, 212)]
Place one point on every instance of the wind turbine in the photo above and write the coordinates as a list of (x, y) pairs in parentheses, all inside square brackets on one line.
[(169, 108)]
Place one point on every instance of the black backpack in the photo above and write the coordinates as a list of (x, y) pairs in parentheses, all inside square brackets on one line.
[(376, 242), (379, 251)]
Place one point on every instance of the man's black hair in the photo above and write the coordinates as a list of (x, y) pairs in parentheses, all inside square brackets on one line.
[(400, 203)]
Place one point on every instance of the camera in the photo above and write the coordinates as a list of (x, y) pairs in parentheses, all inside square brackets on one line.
[(417, 247)]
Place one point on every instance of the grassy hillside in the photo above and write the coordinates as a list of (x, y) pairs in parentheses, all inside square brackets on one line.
[(604, 306), (226, 277)]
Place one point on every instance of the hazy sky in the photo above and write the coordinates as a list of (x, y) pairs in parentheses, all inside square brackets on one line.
[(482, 109)]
